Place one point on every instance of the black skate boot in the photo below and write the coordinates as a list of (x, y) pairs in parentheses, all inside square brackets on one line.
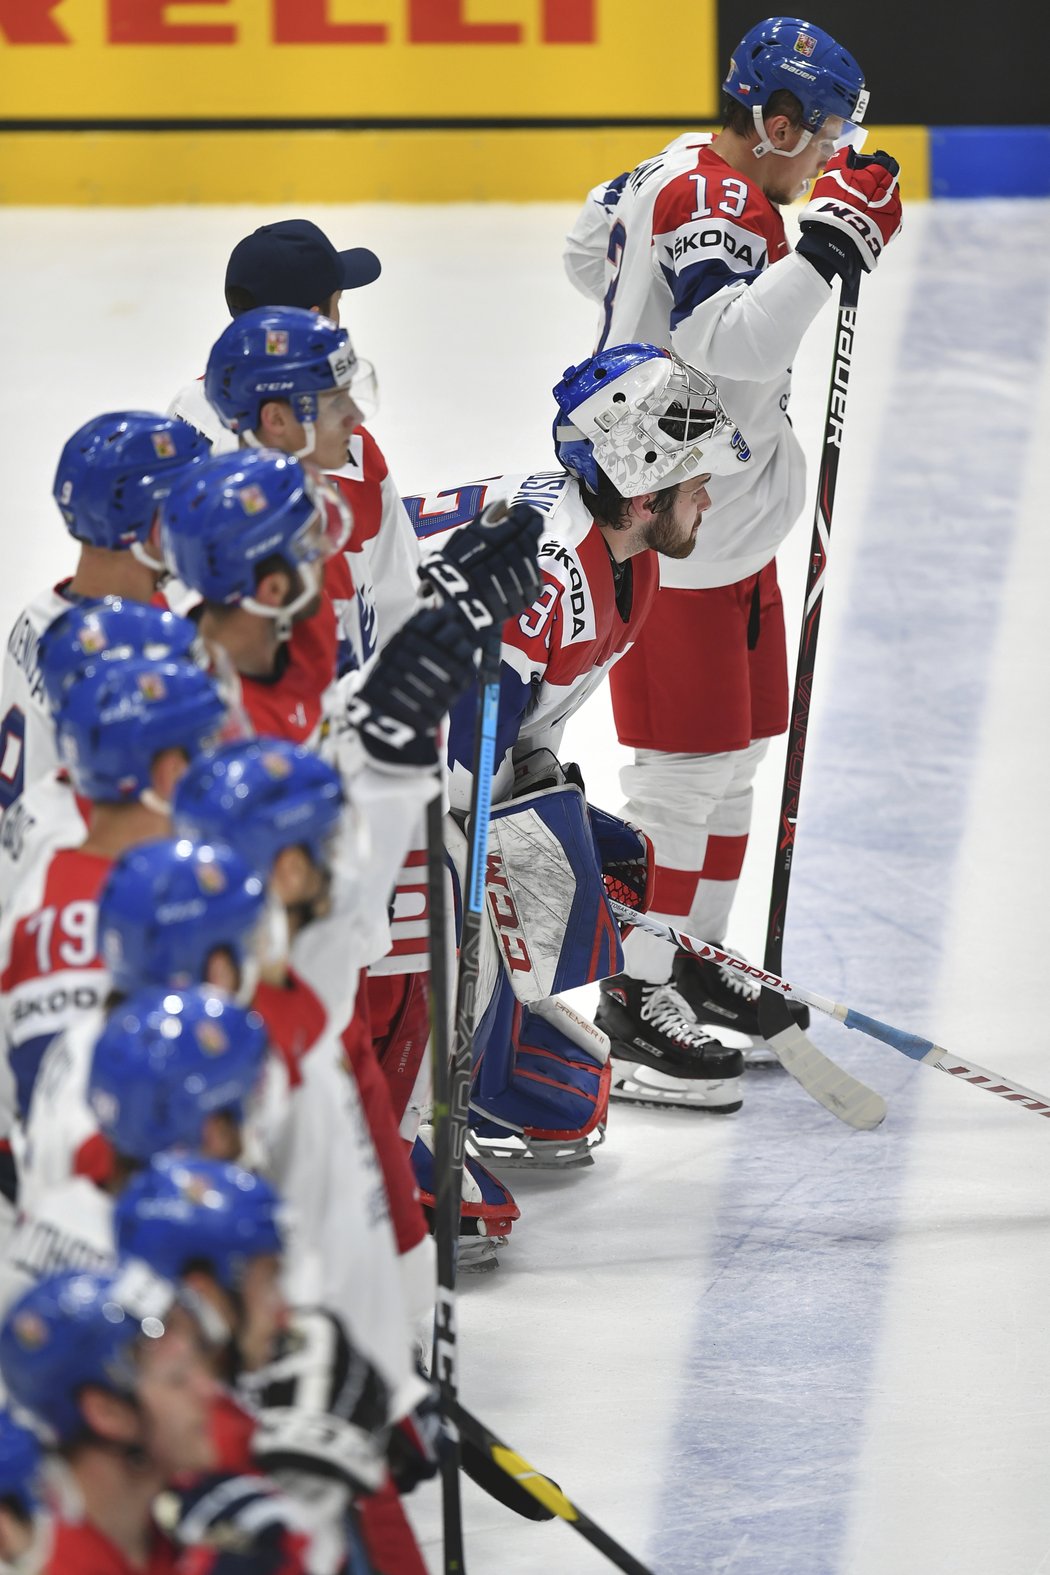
[(728, 999), (660, 1057)]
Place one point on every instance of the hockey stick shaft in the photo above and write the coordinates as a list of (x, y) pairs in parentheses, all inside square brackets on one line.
[(827, 480), (450, 1116), (546, 1492), (914, 1046)]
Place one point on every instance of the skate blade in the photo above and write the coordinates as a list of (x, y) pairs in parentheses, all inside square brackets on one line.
[(535, 1153), (479, 1254), (644, 1086)]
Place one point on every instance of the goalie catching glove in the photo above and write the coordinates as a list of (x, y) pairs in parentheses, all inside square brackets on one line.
[(488, 570), (853, 213)]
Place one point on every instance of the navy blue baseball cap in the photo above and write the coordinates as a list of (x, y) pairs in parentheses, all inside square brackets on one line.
[(293, 263)]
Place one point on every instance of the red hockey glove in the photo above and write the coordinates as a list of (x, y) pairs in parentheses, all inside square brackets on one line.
[(857, 200)]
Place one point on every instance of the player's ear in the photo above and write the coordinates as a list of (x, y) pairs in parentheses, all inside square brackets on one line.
[(273, 588), (167, 771), (641, 507), (275, 423), (109, 1415)]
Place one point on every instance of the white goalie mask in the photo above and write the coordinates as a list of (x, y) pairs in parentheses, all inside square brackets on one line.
[(648, 420)]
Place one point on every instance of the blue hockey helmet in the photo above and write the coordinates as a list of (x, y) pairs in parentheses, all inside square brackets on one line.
[(20, 1463), (261, 796), (168, 1059), (785, 52), (242, 510), (167, 906), (115, 471), (184, 1210), (91, 634), (645, 418), (75, 1329), (284, 353), (113, 721)]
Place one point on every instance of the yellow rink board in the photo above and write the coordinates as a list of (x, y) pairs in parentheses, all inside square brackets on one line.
[(142, 167)]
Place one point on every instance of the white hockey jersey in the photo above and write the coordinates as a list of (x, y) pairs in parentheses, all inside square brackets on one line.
[(47, 816), (686, 253), (27, 733)]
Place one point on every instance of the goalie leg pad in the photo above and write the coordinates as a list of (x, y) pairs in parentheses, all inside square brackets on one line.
[(538, 1097), (546, 898), (487, 1210)]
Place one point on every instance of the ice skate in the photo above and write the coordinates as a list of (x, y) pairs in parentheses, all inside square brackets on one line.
[(727, 999), (659, 1055)]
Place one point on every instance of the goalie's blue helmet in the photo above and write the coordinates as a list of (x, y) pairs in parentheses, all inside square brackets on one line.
[(279, 352), (260, 796), (643, 417), (785, 52), (115, 471), (113, 721), (91, 634), (167, 906), (243, 510), (183, 1209), (168, 1059), (75, 1329)]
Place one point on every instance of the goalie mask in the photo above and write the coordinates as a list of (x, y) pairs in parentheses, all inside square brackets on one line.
[(646, 419)]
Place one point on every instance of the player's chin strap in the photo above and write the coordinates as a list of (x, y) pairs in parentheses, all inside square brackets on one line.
[(764, 146), (284, 616)]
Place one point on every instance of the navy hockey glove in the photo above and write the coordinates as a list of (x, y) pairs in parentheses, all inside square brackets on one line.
[(417, 1444), (853, 213), (489, 569), (420, 674), (233, 1525)]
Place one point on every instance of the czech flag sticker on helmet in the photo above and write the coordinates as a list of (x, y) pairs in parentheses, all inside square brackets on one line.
[(252, 499), (163, 445), (210, 878), (212, 1040), (152, 686), (276, 766), (276, 341), (805, 44), (91, 639), (30, 1331)]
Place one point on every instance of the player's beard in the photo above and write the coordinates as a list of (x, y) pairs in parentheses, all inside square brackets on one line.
[(669, 538)]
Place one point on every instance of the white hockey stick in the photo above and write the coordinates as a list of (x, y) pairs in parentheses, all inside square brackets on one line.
[(914, 1046), (844, 1095)]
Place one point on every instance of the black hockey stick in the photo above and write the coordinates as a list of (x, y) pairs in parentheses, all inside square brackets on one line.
[(545, 1491), (792, 1047), (452, 1097)]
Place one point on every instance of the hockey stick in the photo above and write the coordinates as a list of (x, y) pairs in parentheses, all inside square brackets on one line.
[(450, 1111), (794, 1049), (914, 1046), (545, 1491)]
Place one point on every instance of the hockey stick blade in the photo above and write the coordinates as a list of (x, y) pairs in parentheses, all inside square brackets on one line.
[(844, 1095), (840, 1093), (546, 1491)]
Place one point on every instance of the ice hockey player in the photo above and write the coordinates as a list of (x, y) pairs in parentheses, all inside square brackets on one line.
[(111, 1368), (639, 435), (284, 810), (167, 1068), (126, 731), (297, 1400), (689, 250), (163, 918), (111, 477)]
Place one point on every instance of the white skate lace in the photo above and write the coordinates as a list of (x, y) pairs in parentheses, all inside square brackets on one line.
[(739, 983), (669, 1014)]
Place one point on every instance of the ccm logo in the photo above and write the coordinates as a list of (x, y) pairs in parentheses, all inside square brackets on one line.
[(299, 22), (505, 916)]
